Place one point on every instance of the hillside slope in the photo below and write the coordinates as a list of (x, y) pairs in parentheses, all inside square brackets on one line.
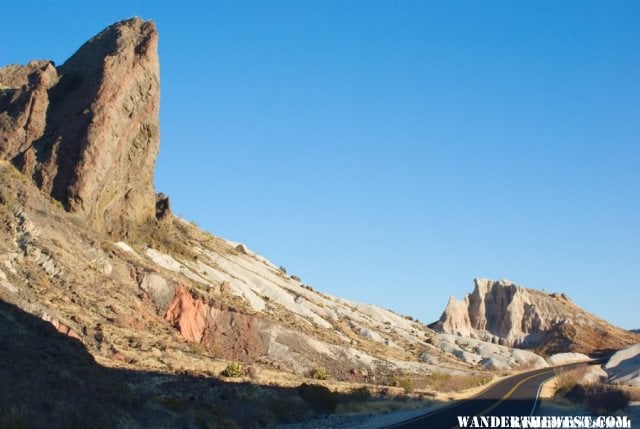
[(86, 244)]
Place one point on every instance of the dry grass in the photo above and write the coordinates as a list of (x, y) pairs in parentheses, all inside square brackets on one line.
[(567, 379), (444, 382), (634, 393), (168, 236), (600, 398), (407, 384)]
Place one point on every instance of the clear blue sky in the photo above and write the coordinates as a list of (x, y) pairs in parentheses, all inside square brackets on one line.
[(390, 152)]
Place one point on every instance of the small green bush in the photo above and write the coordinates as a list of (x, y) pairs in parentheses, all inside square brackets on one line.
[(320, 374), (234, 369)]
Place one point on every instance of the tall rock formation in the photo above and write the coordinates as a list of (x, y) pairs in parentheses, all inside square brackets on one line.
[(87, 132), (504, 313)]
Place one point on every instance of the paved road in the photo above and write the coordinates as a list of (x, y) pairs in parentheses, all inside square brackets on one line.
[(513, 396)]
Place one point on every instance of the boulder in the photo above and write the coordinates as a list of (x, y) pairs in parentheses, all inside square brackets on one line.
[(158, 288), (188, 315), (494, 364)]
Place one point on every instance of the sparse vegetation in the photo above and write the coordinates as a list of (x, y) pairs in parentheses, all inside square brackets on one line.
[(170, 236), (600, 398), (320, 374), (407, 385), (444, 382), (234, 369)]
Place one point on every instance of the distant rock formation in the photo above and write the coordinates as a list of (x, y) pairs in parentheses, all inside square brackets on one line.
[(87, 132), (504, 313)]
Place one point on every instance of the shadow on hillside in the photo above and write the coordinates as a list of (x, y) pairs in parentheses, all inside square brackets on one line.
[(50, 380)]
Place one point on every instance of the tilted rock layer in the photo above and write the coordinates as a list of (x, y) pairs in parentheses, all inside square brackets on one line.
[(504, 313), (87, 131)]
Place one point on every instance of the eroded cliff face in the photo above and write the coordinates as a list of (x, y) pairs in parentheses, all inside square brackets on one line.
[(87, 132), (504, 313)]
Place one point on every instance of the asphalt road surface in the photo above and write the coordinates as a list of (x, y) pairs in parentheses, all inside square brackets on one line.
[(514, 396)]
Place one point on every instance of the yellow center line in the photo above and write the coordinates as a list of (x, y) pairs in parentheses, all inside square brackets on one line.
[(507, 395)]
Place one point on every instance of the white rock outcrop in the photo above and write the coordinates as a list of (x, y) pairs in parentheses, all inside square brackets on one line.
[(487, 355), (501, 312), (563, 358), (504, 313), (624, 366)]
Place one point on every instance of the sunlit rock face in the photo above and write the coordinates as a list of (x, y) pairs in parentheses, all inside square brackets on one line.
[(87, 131), (505, 313)]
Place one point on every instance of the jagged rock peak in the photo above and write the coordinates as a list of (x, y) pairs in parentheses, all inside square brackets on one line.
[(505, 313), (87, 132)]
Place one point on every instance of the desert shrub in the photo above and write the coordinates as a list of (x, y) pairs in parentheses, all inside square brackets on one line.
[(169, 236), (320, 374), (321, 400), (599, 398), (234, 369), (567, 381), (296, 279), (407, 385)]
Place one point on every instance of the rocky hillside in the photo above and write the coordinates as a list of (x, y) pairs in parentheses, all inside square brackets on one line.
[(90, 251), (86, 244), (504, 313), (86, 132)]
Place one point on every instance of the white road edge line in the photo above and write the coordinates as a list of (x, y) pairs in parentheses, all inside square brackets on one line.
[(454, 404), (463, 401), (535, 403)]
